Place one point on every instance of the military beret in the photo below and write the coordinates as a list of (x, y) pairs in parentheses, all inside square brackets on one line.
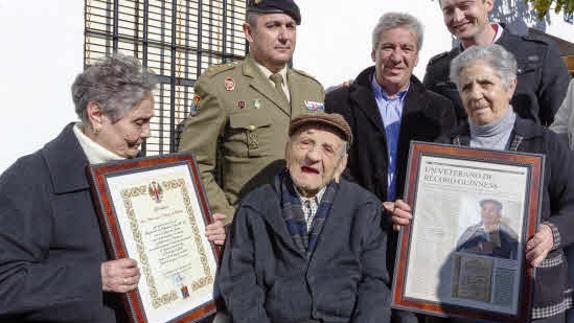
[(287, 7), (333, 121)]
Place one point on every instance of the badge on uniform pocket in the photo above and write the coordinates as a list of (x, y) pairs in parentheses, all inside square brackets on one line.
[(252, 140)]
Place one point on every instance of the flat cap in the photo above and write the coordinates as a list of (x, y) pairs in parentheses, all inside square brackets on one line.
[(333, 121), (287, 7)]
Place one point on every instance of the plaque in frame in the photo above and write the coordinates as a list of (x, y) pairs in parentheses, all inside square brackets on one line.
[(463, 253), (155, 210)]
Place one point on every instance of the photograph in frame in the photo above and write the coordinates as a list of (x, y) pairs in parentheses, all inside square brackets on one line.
[(473, 211), (154, 210)]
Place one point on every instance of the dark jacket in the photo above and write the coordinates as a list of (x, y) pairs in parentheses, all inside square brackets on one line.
[(542, 77), (552, 291), (264, 277), (426, 116), (51, 248)]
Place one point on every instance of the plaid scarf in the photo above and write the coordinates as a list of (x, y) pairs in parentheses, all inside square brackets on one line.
[(292, 212)]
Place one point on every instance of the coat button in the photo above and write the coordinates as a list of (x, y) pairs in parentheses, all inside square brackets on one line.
[(251, 127)]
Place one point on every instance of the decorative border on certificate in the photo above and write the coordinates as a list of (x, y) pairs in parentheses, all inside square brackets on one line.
[(154, 210), (473, 211)]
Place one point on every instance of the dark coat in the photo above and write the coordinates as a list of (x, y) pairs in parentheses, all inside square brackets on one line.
[(264, 277), (426, 116), (552, 291), (542, 77), (51, 247)]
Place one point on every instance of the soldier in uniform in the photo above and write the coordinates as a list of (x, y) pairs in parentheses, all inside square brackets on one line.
[(542, 75), (241, 111)]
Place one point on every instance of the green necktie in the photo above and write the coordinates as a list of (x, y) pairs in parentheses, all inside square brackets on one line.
[(277, 79)]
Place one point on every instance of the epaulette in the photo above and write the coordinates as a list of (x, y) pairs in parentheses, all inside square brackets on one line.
[(216, 69), (306, 75), (437, 57)]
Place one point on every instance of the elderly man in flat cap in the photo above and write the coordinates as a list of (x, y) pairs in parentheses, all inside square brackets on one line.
[(241, 111), (309, 247)]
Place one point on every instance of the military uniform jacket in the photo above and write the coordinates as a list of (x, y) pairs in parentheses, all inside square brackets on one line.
[(239, 123), (542, 77)]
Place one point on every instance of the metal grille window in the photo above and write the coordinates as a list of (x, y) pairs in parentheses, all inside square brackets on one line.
[(176, 39)]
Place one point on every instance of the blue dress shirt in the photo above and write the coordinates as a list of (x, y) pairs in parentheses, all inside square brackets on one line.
[(391, 110)]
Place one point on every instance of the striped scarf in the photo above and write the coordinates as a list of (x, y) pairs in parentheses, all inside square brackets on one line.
[(292, 212)]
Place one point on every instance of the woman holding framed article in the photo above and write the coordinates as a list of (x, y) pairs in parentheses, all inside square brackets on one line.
[(486, 79), (53, 261)]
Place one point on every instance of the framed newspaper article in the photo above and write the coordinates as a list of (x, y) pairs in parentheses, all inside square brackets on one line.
[(154, 210), (473, 212)]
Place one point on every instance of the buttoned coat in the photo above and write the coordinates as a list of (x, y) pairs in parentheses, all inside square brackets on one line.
[(542, 77), (51, 248), (239, 128), (264, 277)]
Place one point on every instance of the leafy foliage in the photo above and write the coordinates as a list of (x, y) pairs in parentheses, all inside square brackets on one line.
[(542, 6)]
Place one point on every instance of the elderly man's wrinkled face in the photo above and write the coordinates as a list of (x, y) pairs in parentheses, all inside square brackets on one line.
[(272, 40), (490, 213), (314, 157), (484, 95), (125, 136), (395, 58), (466, 19)]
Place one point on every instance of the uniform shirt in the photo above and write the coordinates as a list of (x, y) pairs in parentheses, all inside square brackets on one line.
[(391, 110), (268, 74)]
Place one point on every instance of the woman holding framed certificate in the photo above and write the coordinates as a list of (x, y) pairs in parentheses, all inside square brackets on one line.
[(53, 261), (486, 78)]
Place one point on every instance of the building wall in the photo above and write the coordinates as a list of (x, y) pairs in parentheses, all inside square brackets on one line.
[(43, 51)]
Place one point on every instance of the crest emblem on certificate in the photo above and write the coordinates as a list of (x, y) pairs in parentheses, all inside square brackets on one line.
[(155, 191)]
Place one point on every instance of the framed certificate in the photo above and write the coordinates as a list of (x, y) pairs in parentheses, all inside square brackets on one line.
[(154, 210), (473, 212)]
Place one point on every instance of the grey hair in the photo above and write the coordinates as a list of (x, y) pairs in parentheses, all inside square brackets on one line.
[(392, 20), (495, 56), (251, 18), (116, 83)]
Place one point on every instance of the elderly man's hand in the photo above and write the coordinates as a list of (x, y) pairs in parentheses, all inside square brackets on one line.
[(400, 213), (120, 276), (540, 245), (215, 232)]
